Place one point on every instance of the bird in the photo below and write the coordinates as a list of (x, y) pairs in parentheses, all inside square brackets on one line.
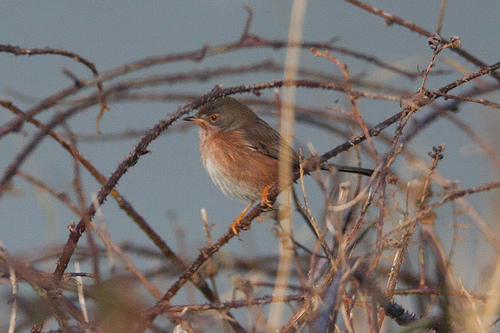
[(240, 152)]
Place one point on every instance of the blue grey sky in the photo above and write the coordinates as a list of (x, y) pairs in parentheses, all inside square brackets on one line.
[(169, 186)]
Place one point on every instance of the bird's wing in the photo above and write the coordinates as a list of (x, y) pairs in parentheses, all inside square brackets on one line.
[(265, 142)]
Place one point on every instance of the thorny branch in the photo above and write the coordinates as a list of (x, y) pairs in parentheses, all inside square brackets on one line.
[(332, 290)]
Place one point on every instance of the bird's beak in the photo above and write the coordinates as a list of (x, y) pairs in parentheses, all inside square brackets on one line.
[(190, 118), (198, 121)]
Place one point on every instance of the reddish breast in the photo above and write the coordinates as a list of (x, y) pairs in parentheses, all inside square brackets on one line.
[(222, 156)]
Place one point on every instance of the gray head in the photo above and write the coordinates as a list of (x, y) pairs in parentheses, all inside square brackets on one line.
[(225, 114)]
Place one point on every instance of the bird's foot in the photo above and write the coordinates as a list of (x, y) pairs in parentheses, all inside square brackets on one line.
[(235, 227), (264, 202)]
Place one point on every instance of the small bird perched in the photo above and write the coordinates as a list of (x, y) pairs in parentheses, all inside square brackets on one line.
[(240, 152)]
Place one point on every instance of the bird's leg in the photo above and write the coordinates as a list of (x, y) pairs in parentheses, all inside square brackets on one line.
[(263, 202), (234, 226), (263, 198)]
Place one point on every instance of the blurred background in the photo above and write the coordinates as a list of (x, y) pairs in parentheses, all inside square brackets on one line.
[(169, 186)]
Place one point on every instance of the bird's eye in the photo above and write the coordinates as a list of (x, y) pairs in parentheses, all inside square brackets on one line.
[(214, 117)]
